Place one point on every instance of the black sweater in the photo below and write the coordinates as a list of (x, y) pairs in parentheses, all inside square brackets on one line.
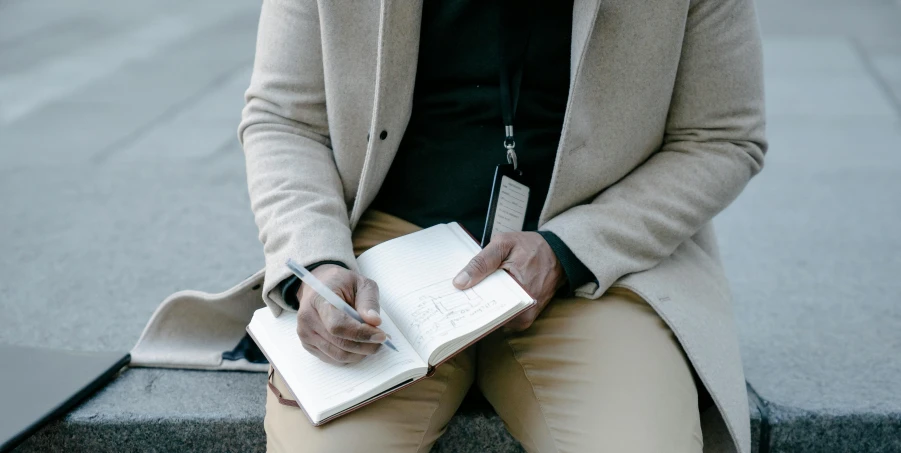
[(445, 164)]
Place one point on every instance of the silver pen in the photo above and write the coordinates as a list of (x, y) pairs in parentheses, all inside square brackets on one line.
[(307, 277)]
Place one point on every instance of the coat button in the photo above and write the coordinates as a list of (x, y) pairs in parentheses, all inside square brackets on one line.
[(383, 135)]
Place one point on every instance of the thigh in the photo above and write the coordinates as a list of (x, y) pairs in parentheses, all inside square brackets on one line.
[(593, 375), (407, 421)]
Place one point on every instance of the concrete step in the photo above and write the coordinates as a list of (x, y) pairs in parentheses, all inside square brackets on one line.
[(171, 410)]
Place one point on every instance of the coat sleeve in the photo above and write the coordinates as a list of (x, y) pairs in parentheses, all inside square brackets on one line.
[(712, 145), (295, 191)]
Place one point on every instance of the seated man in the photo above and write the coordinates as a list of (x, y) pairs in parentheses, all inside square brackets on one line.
[(631, 124)]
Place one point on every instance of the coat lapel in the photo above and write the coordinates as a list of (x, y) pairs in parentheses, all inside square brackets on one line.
[(398, 53), (585, 15)]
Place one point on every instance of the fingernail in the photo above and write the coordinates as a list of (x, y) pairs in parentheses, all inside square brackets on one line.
[(378, 338), (373, 313), (462, 279)]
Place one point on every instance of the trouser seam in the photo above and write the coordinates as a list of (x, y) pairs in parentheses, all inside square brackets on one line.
[(516, 357), (447, 381)]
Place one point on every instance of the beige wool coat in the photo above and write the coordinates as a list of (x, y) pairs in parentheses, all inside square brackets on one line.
[(664, 127)]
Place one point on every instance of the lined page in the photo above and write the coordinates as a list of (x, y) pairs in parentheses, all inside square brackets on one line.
[(415, 273), (322, 388)]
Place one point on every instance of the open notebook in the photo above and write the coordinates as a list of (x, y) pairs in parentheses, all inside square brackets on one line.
[(427, 318)]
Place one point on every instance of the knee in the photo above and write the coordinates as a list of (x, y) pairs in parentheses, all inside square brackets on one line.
[(648, 435)]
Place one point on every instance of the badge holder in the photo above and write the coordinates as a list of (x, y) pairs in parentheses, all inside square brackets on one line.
[(509, 196)]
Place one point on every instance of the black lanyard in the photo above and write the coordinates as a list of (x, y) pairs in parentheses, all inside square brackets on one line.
[(514, 42)]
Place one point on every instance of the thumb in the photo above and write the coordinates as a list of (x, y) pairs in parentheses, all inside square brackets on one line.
[(366, 301), (483, 264)]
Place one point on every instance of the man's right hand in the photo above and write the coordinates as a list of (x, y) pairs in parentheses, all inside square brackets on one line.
[(329, 333)]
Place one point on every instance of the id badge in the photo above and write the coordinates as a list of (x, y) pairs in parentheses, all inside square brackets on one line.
[(508, 203)]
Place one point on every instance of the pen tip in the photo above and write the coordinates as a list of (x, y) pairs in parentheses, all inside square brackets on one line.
[(390, 345)]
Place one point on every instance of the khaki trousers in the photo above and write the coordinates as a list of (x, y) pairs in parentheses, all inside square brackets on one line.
[(603, 375)]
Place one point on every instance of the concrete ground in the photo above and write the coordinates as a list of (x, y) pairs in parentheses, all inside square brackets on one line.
[(121, 181)]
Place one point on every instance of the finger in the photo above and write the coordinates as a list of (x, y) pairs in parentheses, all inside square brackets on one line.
[(366, 301), (486, 262), (517, 326), (337, 354), (308, 327), (355, 347), (319, 354), (341, 325), (521, 322), (308, 323)]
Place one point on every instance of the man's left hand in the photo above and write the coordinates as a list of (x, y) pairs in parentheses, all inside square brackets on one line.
[(529, 259)]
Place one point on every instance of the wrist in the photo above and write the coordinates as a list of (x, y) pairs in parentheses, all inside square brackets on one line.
[(290, 288), (575, 272), (559, 271), (327, 268)]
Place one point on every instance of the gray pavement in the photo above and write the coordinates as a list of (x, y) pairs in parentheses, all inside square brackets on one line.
[(121, 181), (813, 247)]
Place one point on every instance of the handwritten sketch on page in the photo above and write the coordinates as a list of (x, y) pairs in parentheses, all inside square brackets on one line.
[(435, 312), (454, 303)]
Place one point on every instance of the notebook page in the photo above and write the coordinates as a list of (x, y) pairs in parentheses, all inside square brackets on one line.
[(415, 273), (322, 388)]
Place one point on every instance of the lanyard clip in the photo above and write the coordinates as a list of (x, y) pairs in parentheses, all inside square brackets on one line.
[(510, 144)]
